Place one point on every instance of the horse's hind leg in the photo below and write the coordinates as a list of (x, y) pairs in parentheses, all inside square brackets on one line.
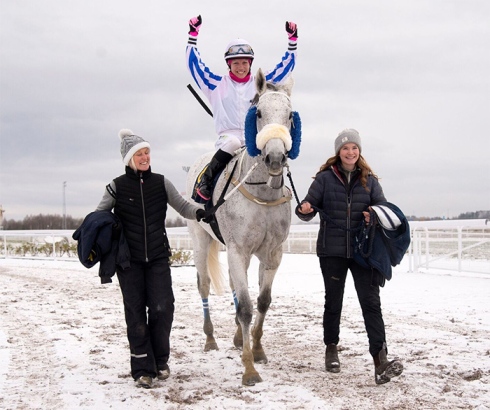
[(266, 277), (208, 328), (204, 284)]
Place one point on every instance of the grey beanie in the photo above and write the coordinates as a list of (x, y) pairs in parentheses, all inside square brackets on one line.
[(346, 136), (130, 144)]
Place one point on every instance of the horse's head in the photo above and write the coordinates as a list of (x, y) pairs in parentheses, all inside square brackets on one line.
[(269, 123), (273, 101)]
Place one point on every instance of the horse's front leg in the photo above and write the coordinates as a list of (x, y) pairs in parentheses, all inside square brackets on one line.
[(244, 312), (266, 277), (238, 338)]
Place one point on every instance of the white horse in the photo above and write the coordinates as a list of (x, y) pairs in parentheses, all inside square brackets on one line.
[(254, 219)]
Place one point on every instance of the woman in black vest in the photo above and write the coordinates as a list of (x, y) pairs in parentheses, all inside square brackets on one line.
[(139, 198), (342, 191)]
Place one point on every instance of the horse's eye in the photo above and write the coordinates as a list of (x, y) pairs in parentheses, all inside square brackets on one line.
[(259, 114)]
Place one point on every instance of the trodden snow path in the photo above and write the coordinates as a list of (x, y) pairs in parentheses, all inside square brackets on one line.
[(63, 343)]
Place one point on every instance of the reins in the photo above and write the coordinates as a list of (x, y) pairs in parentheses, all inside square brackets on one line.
[(222, 198), (253, 198), (292, 184), (368, 233), (238, 185)]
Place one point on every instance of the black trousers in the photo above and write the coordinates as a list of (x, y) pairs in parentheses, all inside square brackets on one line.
[(366, 282), (148, 285)]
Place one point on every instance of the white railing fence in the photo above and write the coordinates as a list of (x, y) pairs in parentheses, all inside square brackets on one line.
[(444, 246), (462, 248)]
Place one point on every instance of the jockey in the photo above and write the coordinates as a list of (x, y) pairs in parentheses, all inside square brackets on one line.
[(230, 95)]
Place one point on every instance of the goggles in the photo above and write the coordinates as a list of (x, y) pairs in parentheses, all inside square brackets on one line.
[(239, 50)]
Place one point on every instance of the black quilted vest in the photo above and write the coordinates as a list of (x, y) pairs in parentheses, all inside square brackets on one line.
[(141, 205)]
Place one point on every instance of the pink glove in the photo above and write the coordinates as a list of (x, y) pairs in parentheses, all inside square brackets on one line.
[(292, 30), (195, 25)]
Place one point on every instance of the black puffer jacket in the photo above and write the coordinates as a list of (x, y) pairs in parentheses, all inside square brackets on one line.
[(97, 243), (343, 203), (141, 205)]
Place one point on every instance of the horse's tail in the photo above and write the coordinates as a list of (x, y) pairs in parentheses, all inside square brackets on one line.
[(214, 268)]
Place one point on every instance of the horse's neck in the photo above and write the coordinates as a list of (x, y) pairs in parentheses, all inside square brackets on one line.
[(259, 182)]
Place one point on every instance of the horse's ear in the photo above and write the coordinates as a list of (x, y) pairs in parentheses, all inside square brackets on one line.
[(288, 85), (260, 83)]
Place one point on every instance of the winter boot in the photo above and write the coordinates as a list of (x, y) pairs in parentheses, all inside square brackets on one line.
[(332, 362), (144, 381), (384, 370), (163, 372), (218, 162)]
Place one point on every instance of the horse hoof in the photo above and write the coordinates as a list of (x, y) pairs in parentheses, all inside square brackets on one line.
[(250, 380), (238, 342), (210, 346), (238, 338), (260, 357)]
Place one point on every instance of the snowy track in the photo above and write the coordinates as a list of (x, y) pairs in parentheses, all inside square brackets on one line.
[(65, 344)]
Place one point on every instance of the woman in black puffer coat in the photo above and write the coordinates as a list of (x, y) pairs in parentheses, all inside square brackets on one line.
[(343, 190)]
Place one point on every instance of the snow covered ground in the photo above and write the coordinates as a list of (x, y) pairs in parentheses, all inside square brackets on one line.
[(63, 343)]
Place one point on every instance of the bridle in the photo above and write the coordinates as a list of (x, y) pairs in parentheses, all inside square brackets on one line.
[(240, 184)]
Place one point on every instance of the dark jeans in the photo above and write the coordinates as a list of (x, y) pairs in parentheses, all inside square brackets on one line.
[(366, 281), (148, 285)]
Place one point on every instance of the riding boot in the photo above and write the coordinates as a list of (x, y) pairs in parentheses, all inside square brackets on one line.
[(216, 165), (332, 362), (384, 370)]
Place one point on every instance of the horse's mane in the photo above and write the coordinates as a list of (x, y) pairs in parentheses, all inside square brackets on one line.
[(272, 86)]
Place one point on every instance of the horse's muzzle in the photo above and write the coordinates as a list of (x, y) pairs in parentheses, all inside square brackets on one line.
[(275, 163)]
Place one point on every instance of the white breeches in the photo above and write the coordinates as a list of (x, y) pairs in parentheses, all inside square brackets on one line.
[(228, 143)]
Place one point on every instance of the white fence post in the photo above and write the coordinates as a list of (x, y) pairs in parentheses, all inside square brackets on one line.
[(460, 247)]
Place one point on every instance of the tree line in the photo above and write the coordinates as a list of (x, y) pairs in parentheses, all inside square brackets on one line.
[(465, 215), (55, 221)]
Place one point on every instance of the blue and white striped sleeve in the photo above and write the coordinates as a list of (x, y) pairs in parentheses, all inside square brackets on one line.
[(203, 77), (282, 70)]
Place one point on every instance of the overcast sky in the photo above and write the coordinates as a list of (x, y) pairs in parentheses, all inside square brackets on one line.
[(411, 76)]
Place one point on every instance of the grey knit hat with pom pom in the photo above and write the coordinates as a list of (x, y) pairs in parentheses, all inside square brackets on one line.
[(130, 144)]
